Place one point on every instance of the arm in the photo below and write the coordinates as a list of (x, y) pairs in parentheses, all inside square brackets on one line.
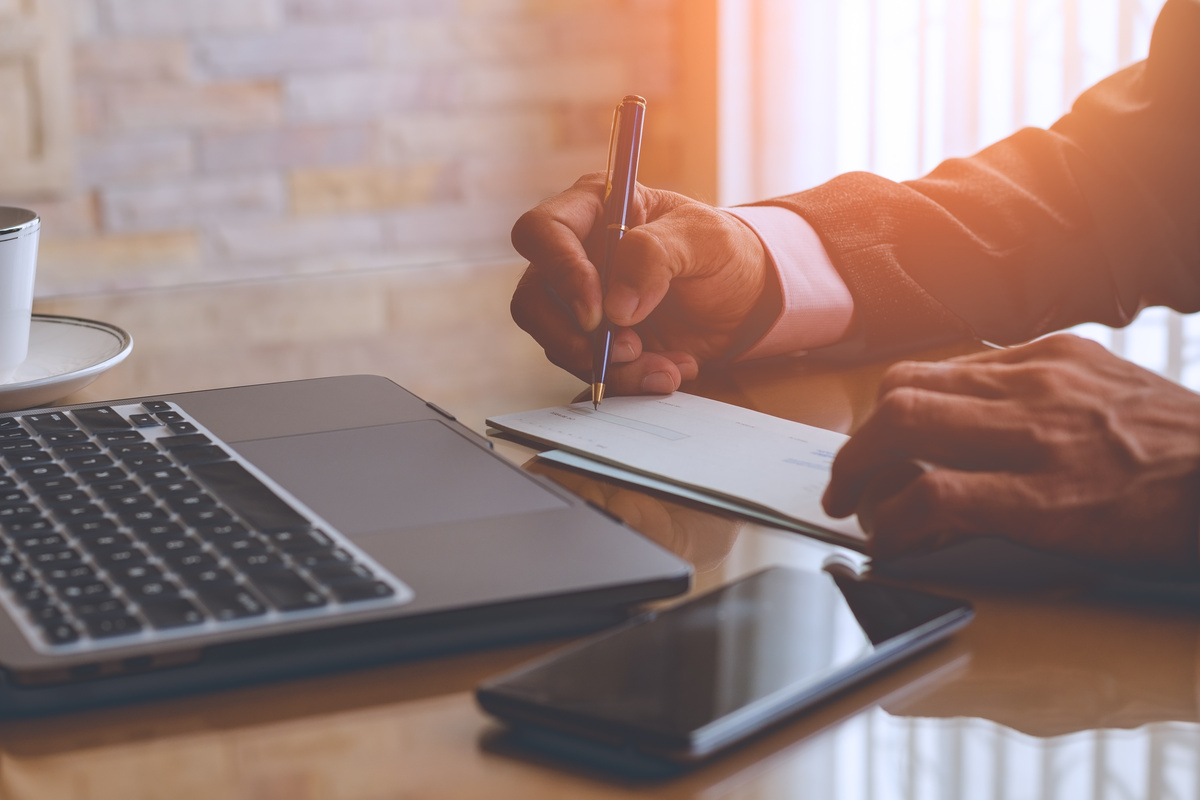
[(1091, 220)]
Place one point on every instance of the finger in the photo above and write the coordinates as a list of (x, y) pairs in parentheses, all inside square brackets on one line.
[(552, 237), (651, 373), (1060, 345), (539, 311), (985, 380), (691, 241), (942, 429), (941, 507)]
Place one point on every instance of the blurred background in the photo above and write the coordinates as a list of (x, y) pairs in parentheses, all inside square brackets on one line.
[(354, 166)]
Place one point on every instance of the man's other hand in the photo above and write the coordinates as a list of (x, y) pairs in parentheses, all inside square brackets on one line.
[(1057, 444)]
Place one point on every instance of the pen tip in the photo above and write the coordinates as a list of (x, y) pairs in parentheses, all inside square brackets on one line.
[(597, 394)]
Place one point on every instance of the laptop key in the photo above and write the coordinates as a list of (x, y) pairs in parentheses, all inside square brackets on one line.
[(103, 474), (64, 497), (340, 572), (115, 559), (107, 543), (229, 600), (116, 488), (134, 574), (248, 496), (212, 575), (89, 461), (90, 527), (139, 462), (174, 545), (64, 437), (285, 590), (359, 591), (324, 558), (60, 632), (101, 419), (185, 440), (50, 421), (301, 540), (36, 471), (107, 607), (13, 497), (153, 590), (195, 561), (104, 626), (85, 511), (70, 574), (172, 612), (85, 592), (200, 454), (20, 511), (16, 445), (156, 475), (121, 437), (39, 542), (76, 449), (48, 559), (256, 560)]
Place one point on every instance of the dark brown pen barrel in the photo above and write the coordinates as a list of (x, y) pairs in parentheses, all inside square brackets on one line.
[(630, 115)]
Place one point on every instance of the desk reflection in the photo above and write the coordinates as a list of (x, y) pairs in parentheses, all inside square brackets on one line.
[(701, 535)]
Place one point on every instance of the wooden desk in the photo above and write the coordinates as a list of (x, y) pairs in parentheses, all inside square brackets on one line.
[(1050, 693)]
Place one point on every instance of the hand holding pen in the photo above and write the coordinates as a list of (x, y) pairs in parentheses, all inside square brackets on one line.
[(624, 148), (688, 285)]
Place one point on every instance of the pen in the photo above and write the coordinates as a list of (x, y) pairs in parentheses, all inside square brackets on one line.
[(624, 145)]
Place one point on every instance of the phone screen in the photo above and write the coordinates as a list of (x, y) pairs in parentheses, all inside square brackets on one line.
[(728, 661)]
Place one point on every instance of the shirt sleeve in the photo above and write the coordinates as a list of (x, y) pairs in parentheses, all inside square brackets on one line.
[(818, 308)]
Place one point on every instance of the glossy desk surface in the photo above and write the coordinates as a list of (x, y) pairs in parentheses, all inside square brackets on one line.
[(1054, 691)]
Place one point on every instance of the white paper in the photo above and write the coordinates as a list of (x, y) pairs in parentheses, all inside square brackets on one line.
[(752, 459)]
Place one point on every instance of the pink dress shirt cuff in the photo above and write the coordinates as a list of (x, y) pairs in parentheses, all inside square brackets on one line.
[(817, 307)]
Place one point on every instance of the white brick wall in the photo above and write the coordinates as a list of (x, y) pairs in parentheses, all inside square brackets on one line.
[(229, 138)]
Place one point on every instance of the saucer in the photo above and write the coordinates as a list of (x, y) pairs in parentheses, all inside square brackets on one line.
[(65, 354)]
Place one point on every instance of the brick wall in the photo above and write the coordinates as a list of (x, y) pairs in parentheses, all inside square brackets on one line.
[(221, 140)]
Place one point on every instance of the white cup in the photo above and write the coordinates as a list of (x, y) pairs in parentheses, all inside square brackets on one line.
[(19, 229)]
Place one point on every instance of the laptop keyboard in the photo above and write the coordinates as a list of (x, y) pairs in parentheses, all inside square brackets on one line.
[(125, 524)]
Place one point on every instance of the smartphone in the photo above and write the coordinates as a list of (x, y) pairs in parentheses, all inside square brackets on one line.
[(680, 685)]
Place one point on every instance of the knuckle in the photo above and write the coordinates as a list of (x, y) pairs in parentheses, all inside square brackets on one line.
[(897, 375), (899, 407)]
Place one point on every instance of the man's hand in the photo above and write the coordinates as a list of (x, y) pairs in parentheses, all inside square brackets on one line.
[(1058, 445), (685, 284)]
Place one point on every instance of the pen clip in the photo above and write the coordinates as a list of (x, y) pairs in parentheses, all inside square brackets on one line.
[(612, 150)]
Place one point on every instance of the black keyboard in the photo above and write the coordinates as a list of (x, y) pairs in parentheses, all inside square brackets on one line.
[(128, 523)]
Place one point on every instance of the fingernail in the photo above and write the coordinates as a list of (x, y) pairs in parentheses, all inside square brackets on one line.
[(658, 383), (621, 302), (623, 353)]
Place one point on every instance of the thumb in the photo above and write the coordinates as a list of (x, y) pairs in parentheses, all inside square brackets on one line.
[(694, 241)]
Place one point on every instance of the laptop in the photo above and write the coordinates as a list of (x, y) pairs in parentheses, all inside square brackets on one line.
[(202, 540)]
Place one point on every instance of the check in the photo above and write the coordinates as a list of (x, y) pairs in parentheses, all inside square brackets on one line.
[(768, 468)]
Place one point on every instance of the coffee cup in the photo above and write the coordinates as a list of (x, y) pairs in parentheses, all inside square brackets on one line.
[(19, 229)]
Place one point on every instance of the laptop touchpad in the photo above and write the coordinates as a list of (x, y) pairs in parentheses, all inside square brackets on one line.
[(397, 476)]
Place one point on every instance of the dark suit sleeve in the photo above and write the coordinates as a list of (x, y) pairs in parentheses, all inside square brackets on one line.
[(1091, 220)]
